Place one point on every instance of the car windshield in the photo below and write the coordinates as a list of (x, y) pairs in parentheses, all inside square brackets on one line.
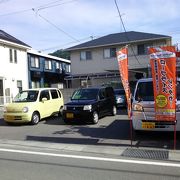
[(119, 92), (85, 94), (178, 90), (26, 96), (145, 91)]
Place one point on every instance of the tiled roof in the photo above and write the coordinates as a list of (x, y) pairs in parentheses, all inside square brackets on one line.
[(119, 38), (7, 37)]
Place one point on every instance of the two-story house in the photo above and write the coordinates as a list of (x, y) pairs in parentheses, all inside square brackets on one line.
[(22, 68), (46, 70), (94, 62), (13, 69)]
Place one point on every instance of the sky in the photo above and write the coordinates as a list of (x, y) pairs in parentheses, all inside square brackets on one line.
[(49, 25)]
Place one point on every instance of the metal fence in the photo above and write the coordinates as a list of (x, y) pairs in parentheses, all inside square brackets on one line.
[(67, 93)]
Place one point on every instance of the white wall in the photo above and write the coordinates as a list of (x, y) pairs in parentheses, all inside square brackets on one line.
[(13, 72)]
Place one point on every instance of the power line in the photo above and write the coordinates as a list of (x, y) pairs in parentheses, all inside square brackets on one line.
[(121, 21), (45, 7), (45, 19), (15, 12), (72, 42), (38, 8)]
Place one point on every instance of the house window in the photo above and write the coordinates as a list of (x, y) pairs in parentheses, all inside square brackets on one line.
[(143, 48), (34, 62), (48, 64), (13, 56), (85, 55), (68, 68), (109, 53), (58, 67), (19, 85)]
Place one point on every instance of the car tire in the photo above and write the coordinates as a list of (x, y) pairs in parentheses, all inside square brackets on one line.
[(9, 123), (95, 117), (114, 110), (35, 118), (66, 121)]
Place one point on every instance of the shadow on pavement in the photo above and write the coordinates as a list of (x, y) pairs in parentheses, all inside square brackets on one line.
[(90, 135), (116, 134), (2, 122)]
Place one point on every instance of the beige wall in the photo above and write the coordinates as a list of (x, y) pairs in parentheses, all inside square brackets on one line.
[(96, 65), (99, 64)]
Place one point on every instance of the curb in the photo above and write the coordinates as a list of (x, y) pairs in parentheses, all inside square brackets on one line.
[(173, 155)]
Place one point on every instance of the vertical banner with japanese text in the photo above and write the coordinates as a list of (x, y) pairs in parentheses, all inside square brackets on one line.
[(122, 57), (163, 65)]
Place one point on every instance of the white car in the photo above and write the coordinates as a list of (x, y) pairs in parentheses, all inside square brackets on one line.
[(143, 112)]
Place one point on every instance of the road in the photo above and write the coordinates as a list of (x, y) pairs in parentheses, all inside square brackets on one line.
[(29, 164), (110, 131), (54, 150)]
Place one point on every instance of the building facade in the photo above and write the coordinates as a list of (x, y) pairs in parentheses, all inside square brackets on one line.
[(46, 70), (23, 68), (13, 69), (95, 62)]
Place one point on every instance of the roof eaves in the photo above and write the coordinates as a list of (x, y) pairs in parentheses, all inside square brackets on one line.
[(114, 44), (48, 56), (14, 44)]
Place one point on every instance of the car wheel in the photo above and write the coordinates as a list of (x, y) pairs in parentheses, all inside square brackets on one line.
[(66, 121), (114, 110), (35, 118), (9, 123), (95, 117)]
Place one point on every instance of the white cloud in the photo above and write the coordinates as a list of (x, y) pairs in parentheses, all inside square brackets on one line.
[(84, 18)]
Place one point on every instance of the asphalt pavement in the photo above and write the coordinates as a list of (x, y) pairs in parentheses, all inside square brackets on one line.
[(41, 161), (67, 139), (45, 164)]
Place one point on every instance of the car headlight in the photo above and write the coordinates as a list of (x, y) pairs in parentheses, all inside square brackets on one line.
[(137, 107), (119, 100), (87, 107), (25, 109)]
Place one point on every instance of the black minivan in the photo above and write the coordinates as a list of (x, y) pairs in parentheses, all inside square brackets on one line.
[(89, 104)]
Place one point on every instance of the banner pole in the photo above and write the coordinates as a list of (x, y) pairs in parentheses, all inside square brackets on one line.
[(175, 135), (131, 131)]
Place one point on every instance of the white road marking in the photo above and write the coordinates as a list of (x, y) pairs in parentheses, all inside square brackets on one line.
[(93, 158)]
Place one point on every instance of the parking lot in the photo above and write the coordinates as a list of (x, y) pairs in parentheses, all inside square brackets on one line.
[(111, 131)]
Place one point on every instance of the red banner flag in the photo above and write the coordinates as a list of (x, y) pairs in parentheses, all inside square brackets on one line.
[(163, 64), (122, 57)]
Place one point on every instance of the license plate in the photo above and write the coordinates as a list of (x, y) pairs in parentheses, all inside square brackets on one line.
[(148, 125), (69, 115), (10, 117)]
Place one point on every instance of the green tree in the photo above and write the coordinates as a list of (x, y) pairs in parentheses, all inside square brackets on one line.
[(61, 53)]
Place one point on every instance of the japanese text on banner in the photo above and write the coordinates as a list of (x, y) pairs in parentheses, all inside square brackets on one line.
[(122, 57), (163, 64)]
